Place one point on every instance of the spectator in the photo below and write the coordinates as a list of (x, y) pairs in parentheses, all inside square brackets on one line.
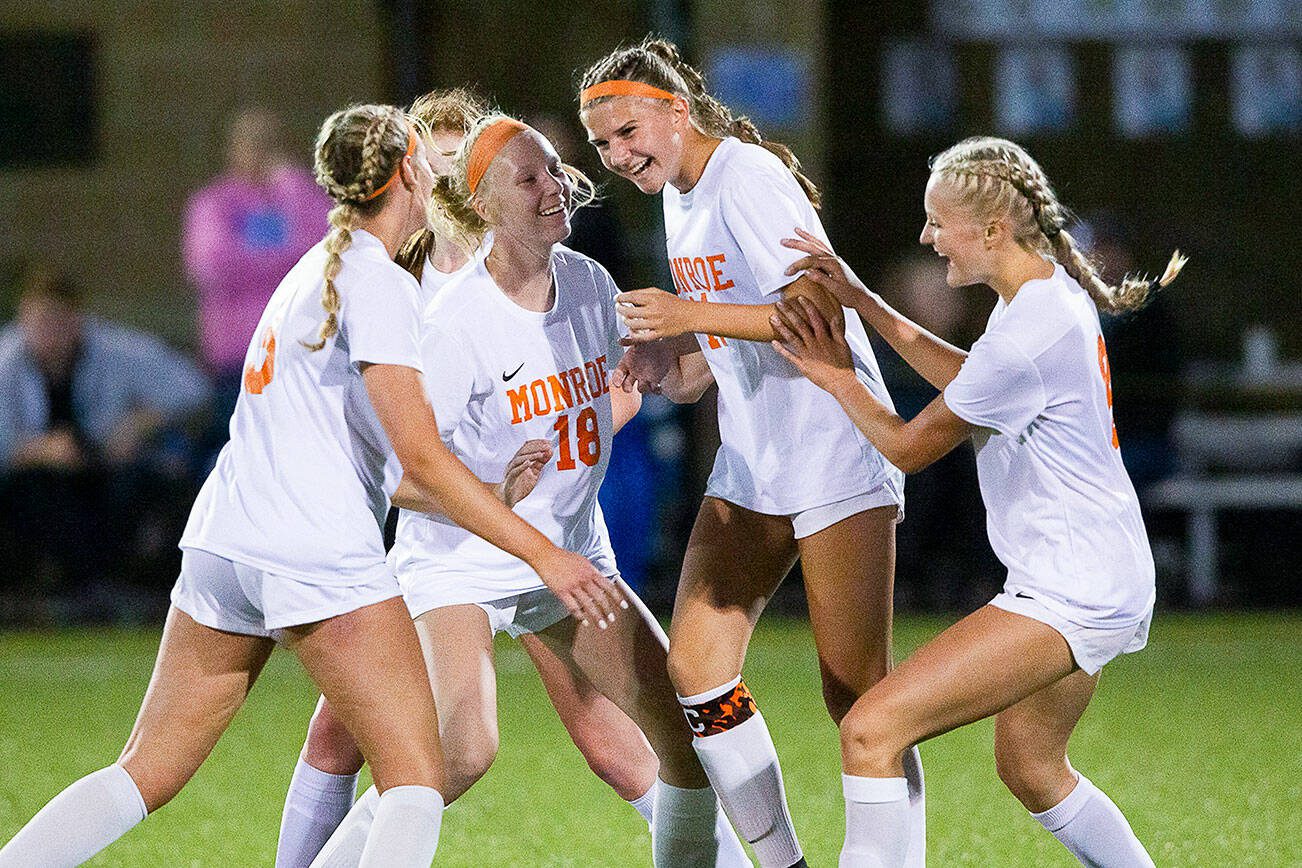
[(84, 407), (243, 232)]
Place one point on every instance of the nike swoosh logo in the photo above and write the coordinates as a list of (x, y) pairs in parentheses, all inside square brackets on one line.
[(1023, 596), (506, 377)]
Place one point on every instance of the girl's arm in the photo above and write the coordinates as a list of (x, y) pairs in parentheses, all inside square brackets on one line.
[(398, 396), (624, 406), (688, 378), (652, 314), (522, 473), (935, 359), (822, 355)]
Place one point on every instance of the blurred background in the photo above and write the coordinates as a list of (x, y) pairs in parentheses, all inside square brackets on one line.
[(154, 187)]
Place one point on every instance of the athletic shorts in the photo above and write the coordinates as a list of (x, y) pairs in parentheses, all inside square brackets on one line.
[(528, 612), (810, 521), (1092, 647), (227, 595)]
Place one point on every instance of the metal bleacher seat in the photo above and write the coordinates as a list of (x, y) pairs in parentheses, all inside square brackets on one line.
[(1227, 463)]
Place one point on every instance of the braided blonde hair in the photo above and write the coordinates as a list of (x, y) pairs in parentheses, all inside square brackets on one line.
[(357, 150), (657, 62), (998, 178), (453, 212)]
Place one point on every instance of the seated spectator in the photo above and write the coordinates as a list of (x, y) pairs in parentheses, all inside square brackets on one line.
[(243, 232), (84, 461)]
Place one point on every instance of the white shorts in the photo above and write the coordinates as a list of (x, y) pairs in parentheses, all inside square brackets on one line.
[(810, 521), (1091, 647), (237, 598), (528, 612)]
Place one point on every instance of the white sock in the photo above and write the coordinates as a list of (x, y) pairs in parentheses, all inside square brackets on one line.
[(916, 857), (344, 849), (315, 805), (78, 823), (876, 822), (405, 833), (645, 803), (1093, 828), (742, 764)]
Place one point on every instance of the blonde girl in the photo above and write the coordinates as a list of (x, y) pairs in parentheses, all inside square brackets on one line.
[(323, 786), (1035, 394), (283, 543), (793, 477), (522, 341)]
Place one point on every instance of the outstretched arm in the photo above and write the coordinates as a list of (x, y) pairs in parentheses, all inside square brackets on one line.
[(823, 356), (652, 314), (398, 396), (935, 359)]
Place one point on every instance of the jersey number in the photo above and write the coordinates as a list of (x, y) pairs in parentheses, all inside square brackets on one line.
[(256, 379), (1106, 370), (587, 441)]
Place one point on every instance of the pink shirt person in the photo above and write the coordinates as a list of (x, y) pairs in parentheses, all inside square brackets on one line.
[(243, 232)]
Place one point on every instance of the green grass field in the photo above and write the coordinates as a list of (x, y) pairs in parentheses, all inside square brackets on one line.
[(1198, 738)]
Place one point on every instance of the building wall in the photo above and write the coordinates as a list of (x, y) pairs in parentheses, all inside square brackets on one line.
[(169, 75)]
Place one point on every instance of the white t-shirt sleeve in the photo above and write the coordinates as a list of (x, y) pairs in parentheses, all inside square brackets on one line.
[(616, 328), (998, 387), (449, 378), (759, 212), (381, 321)]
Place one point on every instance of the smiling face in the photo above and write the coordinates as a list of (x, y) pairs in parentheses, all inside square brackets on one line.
[(525, 195), (955, 233), (639, 139)]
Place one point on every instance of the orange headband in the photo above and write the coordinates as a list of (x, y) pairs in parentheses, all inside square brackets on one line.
[(486, 146), (622, 87), (411, 149)]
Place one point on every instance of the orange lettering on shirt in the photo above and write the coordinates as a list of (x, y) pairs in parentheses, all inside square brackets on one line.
[(519, 399), (562, 397), (716, 275), (1106, 370), (580, 387), (255, 380)]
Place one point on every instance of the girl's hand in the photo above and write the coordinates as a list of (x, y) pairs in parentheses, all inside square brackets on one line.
[(523, 471), (808, 342), (652, 314), (642, 367), (825, 268)]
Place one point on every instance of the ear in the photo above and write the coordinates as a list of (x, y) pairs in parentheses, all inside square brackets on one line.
[(681, 110), (481, 208), (993, 234)]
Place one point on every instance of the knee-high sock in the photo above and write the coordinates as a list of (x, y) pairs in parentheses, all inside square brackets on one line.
[(689, 829), (345, 846), (916, 857), (77, 823), (737, 752), (1093, 828), (405, 833), (876, 822), (315, 805), (731, 853)]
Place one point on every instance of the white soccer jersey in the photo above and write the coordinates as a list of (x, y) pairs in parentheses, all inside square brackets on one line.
[(303, 485), (787, 446), (500, 375), (1060, 508)]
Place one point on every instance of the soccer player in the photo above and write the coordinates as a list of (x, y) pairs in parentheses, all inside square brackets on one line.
[(1035, 394), (521, 342), (323, 787), (283, 542), (793, 476)]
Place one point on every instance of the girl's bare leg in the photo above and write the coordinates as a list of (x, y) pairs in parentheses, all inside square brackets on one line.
[(200, 679), (614, 747)]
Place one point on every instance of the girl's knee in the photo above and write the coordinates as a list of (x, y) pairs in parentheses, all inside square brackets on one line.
[(330, 747), (872, 741), (1035, 778), (467, 758)]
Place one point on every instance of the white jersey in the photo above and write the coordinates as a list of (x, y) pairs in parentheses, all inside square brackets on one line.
[(500, 375), (302, 487), (1060, 509), (787, 446)]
